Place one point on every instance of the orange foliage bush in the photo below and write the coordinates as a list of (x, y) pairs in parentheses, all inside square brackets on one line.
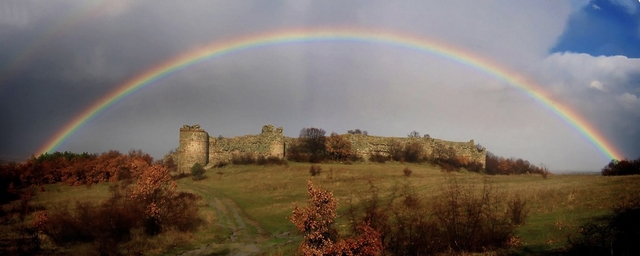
[(316, 220)]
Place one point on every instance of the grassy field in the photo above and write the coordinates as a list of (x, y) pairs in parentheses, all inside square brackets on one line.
[(246, 207)]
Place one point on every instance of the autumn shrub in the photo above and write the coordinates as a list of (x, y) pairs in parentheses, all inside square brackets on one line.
[(220, 164), (462, 218), (197, 172), (378, 158), (496, 165), (338, 147), (316, 223), (517, 209), (315, 170), (243, 159), (615, 234), (105, 225), (407, 172), (150, 206), (413, 153), (396, 151), (474, 219), (153, 192), (270, 160)]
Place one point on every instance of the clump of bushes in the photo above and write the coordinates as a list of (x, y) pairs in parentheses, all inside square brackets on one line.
[(622, 167), (315, 170), (197, 172), (151, 206), (462, 218), (378, 158), (496, 165), (249, 159), (616, 234), (407, 172), (316, 223)]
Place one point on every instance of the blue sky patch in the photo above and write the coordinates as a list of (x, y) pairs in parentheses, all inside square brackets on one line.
[(603, 28)]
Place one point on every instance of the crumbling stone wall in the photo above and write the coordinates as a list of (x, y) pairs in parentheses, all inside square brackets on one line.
[(193, 147), (366, 145), (269, 143), (197, 146)]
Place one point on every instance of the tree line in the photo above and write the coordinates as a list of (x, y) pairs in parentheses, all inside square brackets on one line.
[(621, 167), (144, 203)]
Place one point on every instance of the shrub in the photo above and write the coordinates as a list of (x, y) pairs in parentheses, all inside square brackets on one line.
[(616, 234), (243, 159), (459, 219), (313, 142), (473, 219), (271, 160), (111, 224), (413, 153), (197, 172), (220, 164), (338, 147), (316, 223), (378, 158), (296, 153), (396, 151), (517, 209), (407, 172), (622, 167), (315, 170)]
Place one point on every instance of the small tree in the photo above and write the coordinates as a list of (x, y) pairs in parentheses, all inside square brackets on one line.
[(338, 147), (153, 192), (313, 141), (316, 221), (414, 134), (197, 172)]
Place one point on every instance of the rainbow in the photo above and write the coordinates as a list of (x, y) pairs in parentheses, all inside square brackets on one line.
[(420, 44)]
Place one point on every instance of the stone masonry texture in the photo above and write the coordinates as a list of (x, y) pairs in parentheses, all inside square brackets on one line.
[(197, 147)]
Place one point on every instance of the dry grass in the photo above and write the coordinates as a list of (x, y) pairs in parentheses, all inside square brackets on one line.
[(264, 195)]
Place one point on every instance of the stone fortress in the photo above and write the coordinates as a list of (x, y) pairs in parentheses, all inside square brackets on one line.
[(196, 146)]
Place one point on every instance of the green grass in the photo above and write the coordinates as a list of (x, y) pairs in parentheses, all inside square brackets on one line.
[(263, 197)]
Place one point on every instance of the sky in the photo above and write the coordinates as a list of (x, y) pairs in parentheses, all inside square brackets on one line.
[(60, 57)]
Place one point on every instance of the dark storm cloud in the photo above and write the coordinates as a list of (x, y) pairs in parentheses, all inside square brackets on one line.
[(386, 90)]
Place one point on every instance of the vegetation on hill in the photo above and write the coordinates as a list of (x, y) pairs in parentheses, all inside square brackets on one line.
[(497, 165), (622, 167), (398, 208), (143, 204)]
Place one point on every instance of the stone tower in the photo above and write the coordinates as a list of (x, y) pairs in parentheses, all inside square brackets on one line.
[(193, 148)]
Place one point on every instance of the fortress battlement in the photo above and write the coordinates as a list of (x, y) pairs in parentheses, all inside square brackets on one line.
[(197, 147)]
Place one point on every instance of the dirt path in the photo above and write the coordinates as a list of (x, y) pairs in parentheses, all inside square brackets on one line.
[(245, 234)]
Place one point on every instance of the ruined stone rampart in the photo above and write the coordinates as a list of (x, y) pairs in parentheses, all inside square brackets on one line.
[(193, 148), (197, 146), (269, 143), (366, 145)]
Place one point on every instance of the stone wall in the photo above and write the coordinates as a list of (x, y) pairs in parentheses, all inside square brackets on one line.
[(193, 147), (269, 143), (366, 145), (197, 146)]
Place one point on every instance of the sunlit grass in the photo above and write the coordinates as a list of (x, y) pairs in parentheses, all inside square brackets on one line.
[(263, 197)]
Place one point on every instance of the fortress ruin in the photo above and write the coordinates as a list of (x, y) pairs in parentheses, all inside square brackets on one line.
[(196, 146)]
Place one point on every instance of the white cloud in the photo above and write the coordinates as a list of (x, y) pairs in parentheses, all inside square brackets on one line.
[(567, 73), (597, 85), (629, 101), (596, 7)]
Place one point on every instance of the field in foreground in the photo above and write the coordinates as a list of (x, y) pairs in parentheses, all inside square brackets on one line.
[(246, 207)]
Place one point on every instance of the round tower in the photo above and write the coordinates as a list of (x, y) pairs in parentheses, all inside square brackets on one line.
[(193, 148)]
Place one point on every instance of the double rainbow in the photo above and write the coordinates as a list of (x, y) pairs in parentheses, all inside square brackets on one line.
[(420, 44)]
